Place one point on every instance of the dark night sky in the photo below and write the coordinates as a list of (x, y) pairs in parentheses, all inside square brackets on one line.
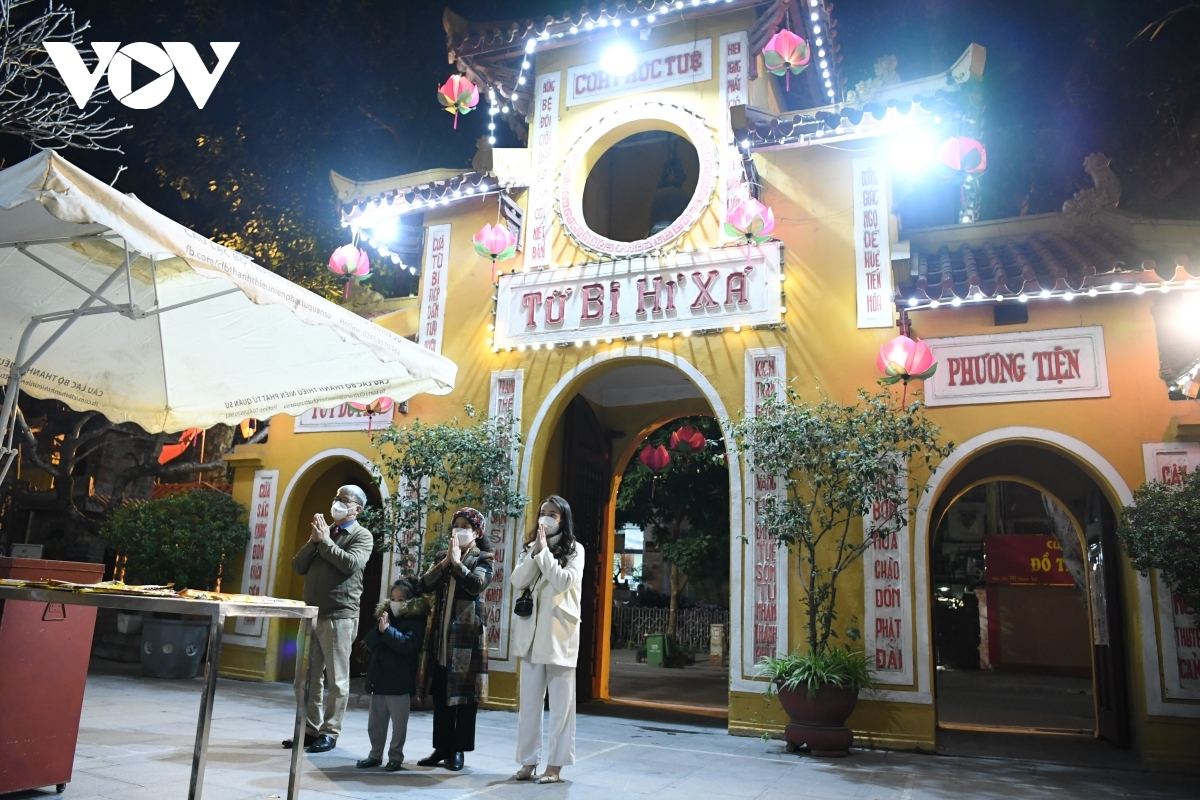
[(350, 86)]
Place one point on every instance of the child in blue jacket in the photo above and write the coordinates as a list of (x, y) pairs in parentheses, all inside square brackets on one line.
[(395, 645)]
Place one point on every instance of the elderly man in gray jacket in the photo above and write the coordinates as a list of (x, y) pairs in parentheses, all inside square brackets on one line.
[(332, 565)]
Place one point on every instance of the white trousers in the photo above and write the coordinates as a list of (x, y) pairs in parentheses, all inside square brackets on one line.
[(536, 680)]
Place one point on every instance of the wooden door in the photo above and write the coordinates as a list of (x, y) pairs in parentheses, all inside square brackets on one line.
[(1108, 639), (585, 485)]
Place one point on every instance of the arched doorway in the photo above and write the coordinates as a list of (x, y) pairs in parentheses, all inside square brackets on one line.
[(1020, 645), (311, 492), (671, 568), (607, 409)]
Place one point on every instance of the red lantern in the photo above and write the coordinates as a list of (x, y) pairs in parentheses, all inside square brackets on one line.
[(687, 439), (655, 457)]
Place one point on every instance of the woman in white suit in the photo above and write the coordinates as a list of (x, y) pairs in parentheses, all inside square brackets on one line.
[(547, 639)]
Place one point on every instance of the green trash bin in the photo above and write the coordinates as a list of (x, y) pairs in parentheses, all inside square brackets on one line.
[(656, 650)]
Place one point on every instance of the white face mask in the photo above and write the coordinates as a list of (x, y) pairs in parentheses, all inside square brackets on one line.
[(465, 536), (549, 525), (395, 605), (339, 511)]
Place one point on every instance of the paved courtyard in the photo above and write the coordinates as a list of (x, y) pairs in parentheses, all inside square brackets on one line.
[(136, 743)]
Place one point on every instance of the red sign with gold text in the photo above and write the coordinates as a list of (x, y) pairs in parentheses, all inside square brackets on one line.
[(1033, 560)]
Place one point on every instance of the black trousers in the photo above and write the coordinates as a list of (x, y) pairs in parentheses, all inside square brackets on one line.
[(453, 726)]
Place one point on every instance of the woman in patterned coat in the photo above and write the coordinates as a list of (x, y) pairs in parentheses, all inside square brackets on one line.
[(454, 665)]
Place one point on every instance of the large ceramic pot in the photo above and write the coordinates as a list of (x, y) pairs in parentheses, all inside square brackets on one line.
[(818, 719)]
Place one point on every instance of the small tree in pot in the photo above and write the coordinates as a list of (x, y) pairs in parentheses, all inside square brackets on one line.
[(834, 462)]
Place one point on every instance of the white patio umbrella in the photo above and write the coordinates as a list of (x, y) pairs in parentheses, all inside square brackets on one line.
[(107, 305)]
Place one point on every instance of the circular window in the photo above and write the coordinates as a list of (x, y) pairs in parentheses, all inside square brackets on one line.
[(640, 185), (638, 179)]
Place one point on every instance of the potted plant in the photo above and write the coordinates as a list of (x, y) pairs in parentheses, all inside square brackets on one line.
[(186, 539), (1161, 531), (818, 691), (833, 462)]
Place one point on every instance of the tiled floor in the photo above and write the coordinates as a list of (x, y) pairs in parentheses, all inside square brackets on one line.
[(1018, 699), (136, 744), (698, 685)]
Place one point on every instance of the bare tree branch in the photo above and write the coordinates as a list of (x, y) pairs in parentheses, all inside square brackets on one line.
[(33, 102)]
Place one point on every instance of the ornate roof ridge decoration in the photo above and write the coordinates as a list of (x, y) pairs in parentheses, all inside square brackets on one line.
[(490, 53), (935, 95), (1048, 256), (402, 199), (498, 40)]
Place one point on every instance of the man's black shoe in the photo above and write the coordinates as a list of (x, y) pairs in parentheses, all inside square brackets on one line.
[(435, 758), (309, 738), (323, 744), (394, 766), (367, 763), (454, 762)]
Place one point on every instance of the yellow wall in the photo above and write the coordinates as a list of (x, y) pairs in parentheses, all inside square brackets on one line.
[(809, 190)]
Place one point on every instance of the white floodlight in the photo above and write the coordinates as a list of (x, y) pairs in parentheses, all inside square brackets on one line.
[(618, 60)]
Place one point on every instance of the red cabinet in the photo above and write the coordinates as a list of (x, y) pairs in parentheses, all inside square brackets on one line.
[(44, 650)]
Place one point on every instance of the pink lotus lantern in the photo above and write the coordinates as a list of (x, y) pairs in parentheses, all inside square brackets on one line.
[(350, 262), (903, 359), (382, 405), (496, 242), (687, 440), (655, 457), (963, 154), (458, 96), (786, 54), (750, 221)]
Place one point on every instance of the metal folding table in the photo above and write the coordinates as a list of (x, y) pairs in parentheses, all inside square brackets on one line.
[(217, 612)]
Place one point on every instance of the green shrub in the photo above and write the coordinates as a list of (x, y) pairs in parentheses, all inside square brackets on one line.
[(184, 539), (1161, 531)]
